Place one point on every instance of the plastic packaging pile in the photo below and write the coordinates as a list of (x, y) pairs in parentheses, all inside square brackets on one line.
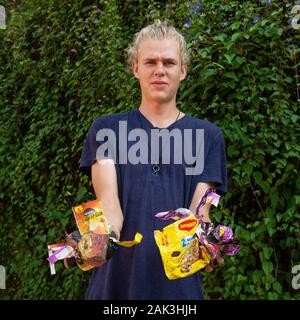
[(189, 244), (92, 244)]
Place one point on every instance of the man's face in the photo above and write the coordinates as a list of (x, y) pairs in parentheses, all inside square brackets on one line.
[(159, 69)]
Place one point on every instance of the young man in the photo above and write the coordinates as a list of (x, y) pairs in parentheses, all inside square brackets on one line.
[(131, 191)]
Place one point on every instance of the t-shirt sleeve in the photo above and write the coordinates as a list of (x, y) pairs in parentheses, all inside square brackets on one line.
[(215, 165), (95, 145)]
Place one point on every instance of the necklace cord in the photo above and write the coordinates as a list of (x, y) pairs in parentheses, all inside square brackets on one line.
[(178, 116), (156, 166)]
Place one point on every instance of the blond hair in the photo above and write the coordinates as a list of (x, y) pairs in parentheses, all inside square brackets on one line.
[(158, 30)]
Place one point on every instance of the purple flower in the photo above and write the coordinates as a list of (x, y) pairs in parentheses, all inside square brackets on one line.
[(198, 6), (267, 1), (255, 20), (297, 2), (196, 40), (192, 10), (187, 25)]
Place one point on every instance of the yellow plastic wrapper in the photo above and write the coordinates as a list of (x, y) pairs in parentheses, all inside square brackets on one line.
[(181, 253)]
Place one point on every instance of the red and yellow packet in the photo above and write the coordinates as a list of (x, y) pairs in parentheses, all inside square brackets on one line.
[(92, 245), (90, 217)]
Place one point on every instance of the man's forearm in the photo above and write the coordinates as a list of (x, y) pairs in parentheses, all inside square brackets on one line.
[(198, 194), (104, 180), (114, 215)]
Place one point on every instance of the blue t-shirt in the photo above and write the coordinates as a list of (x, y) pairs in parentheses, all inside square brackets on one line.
[(137, 272)]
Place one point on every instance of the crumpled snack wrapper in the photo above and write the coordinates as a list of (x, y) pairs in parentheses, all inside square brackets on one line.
[(89, 216), (181, 252), (189, 244), (93, 244)]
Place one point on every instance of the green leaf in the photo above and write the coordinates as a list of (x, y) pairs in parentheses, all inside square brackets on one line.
[(258, 179), (273, 296), (207, 73), (235, 36), (221, 36), (238, 61), (294, 118), (232, 151), (267, 251), (231, 75), (257, 276), (247, 167), (274, 198), (229, 57), (277, 287), (297, 200), (267, 267)]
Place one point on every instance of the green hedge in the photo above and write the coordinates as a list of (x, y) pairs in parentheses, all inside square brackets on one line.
[(62, 64)]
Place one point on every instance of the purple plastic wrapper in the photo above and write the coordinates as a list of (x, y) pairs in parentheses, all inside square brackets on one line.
[(182, 213), (174, 214), (216, 240), (210, 196), (204, 229), (62, 253), (207, 227), (231, 249), (223, 233)]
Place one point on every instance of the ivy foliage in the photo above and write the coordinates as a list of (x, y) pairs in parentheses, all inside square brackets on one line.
[(62, 64)]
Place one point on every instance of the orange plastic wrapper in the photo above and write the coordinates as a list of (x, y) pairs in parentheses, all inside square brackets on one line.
[(93, 243), (95, 232), (95, 235), (92, 248), (90, 217)]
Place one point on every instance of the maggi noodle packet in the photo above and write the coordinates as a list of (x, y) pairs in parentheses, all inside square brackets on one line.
[(181, 252), (189, 244)]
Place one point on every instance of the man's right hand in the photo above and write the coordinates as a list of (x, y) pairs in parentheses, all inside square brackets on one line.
[(104, 177)]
